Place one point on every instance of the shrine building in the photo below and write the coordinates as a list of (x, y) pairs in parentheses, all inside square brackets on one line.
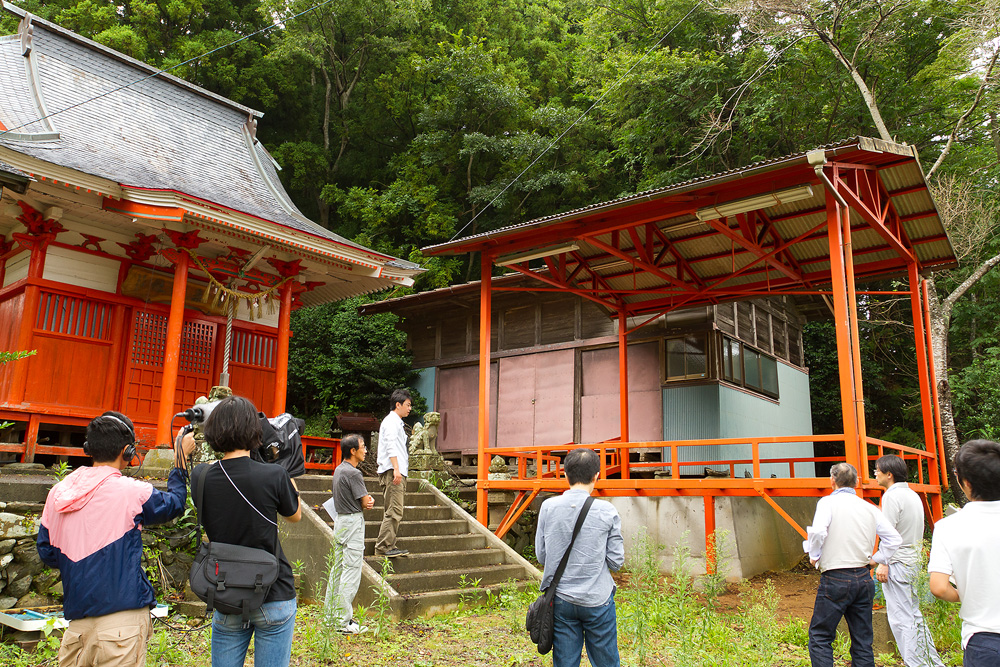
[(148, 250)]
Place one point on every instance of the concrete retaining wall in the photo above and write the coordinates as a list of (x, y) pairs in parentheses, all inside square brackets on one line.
[(757, 538)]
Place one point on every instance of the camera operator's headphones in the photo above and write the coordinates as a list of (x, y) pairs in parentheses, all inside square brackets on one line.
[(128, 453)]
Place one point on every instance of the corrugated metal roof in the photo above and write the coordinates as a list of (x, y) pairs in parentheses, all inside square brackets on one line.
[(720, 260)]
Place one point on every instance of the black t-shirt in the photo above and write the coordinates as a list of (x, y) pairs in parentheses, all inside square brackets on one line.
[(228, 518)]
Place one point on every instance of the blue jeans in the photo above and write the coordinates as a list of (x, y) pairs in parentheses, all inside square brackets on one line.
[(848, 594), (272, 627), (983, 650), (598, 626)]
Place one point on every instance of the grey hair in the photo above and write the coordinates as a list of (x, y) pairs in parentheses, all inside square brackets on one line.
[(844, 475)]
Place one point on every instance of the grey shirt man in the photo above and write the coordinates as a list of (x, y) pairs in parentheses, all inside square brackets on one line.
[(598, 548), (348, 488)]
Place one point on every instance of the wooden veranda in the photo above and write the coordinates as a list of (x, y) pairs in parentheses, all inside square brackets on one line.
[(813, 224)]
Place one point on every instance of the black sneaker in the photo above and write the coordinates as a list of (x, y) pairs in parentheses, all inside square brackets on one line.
[(392, 553)]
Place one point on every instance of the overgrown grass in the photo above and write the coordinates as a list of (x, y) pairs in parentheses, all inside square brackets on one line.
[(673, 621)]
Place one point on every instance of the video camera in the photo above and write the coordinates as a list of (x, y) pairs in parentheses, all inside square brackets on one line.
[(281, 437)]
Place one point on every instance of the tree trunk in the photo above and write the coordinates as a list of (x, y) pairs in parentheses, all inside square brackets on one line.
[(859, 81), (940, 315)]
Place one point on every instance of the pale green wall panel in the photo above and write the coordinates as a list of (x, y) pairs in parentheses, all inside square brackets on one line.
[(743, 414), (425, 386), (691, 413)]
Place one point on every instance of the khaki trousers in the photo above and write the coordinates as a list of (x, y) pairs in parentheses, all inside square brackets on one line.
[(112, 640), (393, 495)]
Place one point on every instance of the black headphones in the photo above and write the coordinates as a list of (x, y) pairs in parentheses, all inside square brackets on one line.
[(128, 453)]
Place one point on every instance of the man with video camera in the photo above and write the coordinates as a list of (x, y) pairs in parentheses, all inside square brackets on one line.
[(91, 530)]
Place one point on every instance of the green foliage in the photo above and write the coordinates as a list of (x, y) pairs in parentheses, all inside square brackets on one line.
[(340, 361), (60, 470), (8, 356)]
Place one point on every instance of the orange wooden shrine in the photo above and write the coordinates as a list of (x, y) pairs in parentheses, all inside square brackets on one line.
[(815, 224), (139, 217)]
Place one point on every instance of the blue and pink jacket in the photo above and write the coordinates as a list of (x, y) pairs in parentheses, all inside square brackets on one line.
[(91, 530)]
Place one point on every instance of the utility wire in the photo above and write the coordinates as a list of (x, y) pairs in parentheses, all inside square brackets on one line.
[(164, 71), (582, 116)]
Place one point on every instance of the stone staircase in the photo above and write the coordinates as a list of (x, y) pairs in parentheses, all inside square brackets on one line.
[(452, 557)]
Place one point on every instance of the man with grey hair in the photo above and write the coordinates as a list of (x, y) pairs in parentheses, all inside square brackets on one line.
[(904, 511), (840, 542)]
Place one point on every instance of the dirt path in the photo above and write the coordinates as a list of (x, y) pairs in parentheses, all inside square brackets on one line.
[(797, 589)]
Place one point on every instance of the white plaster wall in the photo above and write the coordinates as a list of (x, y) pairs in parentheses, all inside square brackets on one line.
[(81, 269), (16, 269)]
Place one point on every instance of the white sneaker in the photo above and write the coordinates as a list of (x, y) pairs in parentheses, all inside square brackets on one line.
[(353, 628)]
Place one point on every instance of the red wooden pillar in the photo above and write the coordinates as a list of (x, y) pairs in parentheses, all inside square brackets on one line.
[(852, 314), (485, 321), (842, 324), (943, 456), (935, 465), (281, 363), (711, 558), (36, 244), (172, 349), (623, 453)]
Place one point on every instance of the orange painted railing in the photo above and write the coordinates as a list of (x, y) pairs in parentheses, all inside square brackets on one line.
[(548, 473)]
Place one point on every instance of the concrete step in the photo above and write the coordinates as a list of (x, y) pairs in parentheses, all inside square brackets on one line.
[(410, 513), (413, 513), (436, 580), (440, 527), (416, 498), (440, 560), (440, 602), (325, 483), (423, 544)]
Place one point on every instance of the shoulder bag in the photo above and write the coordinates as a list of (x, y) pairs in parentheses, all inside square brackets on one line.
[(230, 577), (540, 619)]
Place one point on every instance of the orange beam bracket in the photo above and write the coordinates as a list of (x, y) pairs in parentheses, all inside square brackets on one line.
[(784, 515)]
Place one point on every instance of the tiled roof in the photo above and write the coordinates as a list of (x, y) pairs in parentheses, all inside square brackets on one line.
[(9, 169), (160, 134)]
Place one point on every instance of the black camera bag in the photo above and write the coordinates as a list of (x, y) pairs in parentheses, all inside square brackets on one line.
[(229, 577), (281, 443), (540, 619)]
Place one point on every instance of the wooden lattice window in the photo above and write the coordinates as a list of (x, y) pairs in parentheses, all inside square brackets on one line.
[(73, 316), (253, 349), (148, 339), (149, 342), (196, 347)]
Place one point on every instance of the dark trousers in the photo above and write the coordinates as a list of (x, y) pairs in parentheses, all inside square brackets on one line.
[(848, 594), (983, 650)]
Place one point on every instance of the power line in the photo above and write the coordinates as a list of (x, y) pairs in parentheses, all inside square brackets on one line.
[(164, 71), (582, 116)]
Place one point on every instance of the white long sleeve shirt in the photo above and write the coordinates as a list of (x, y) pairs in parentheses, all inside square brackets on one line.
[(392, 442), (842, 534), (903, 509)]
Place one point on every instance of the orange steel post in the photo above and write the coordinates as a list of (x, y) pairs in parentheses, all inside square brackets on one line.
[(930, 441), (172, 349), (710, 555), (281, 363), (485, 312), (842, 325), (29, 313), (852, 314), (623, 456), (943, 456)]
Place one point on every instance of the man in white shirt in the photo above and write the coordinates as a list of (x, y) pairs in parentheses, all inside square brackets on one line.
[(840, 542), (393, 459), (965, 548), (904, 511)]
